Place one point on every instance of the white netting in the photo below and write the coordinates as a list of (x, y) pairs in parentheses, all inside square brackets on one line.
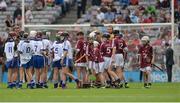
[(158, 33)]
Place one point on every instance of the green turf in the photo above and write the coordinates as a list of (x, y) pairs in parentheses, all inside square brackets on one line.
[(160, 92)]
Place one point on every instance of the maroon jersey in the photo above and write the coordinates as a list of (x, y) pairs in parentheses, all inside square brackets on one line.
[(106, 48), (89, 51), (146, 54), (97, 55), (81, 47), (120, 44)]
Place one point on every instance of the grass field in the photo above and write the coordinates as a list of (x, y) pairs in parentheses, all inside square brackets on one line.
[(160, 92)]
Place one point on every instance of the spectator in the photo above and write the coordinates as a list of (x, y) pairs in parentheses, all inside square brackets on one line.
[(164, 3), (79, 7), (169, 61), (177, 15), (96, 2), (100, 15), (109, 16), (134, 2), (9, 22), (124, 2), (83, 5), (18, 20), (17, 12), (38, 5), (28, 15), (3, 5), (1, 58), (50, 3)]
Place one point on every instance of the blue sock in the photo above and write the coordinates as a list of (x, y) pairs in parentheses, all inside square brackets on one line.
[(20, 83), (32, 83), (14, 84), (55, 85), (9, 85), (76, 80)]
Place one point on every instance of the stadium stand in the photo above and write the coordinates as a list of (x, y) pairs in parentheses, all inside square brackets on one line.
[(129, 11), (49, 13), (11, 7)]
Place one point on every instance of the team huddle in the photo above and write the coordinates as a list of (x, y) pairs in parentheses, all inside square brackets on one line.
[(99, 55)]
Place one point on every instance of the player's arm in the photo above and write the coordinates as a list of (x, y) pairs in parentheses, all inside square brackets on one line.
[(113, 50)]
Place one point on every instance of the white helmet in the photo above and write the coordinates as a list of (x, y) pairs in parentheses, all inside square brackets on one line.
[(145, 38), (95, 43), (33, 33), (92, 34)]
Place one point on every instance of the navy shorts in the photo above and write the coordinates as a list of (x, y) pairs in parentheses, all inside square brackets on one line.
[(38, 61), (28, 64), (70, 63), (14, 63), (65, 62), (56, 64)]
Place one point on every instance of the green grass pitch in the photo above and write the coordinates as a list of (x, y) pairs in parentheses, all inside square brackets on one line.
[(159, 92)]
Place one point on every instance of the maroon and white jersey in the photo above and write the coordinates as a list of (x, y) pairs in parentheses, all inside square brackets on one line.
[(81, 50), (120, 44), (89, 51), (97, 55), (106, 48), (146, 55)]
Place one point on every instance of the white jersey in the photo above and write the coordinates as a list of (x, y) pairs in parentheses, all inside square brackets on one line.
[(9, 50), (27, 52), (58, 50), (67, 46), (46, 44), (19, 44), (37, 47)]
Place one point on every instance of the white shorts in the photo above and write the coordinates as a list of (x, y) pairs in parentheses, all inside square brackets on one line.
[(119, 60), (81, 64), (90, 64), (99, 67), (148, 68), (107, 62)]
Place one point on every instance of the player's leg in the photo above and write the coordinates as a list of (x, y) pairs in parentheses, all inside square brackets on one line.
[(10, 77), (84, 75), (21, 74), (55, 77), (14, 77), (148, 73), (30, 76), (44, 73), (145, 79)]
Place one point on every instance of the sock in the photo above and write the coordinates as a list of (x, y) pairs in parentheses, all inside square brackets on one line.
[(63, 84), (108, 82), (9, 84), (32, 83), (76, 80), (20, 83), (60, 82), (55, 85), (14, 84), (41, 84)]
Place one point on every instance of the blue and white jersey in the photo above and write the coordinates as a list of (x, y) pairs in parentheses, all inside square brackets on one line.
[(37, 47), (9, 50), (27, 50), (58, 50), (68, 47), (46, 44)]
